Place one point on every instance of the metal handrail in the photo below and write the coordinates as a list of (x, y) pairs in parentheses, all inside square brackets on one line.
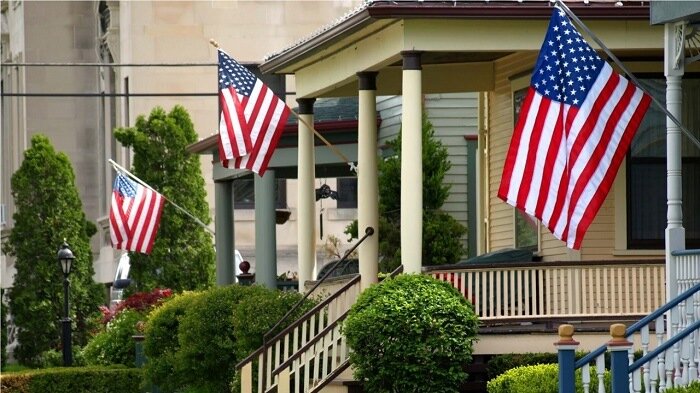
[(641, 323), (368, 232)]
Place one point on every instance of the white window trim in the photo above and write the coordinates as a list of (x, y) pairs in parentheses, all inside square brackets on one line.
[(518, 83)]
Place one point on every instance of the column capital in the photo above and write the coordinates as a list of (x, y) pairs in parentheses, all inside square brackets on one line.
[(411, 60), (306, 106), (367, 80)]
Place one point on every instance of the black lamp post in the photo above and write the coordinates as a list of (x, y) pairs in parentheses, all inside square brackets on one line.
[(65, 260)]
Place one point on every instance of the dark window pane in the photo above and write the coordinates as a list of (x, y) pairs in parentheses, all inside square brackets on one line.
[(347, 192), (646, 173), (244, 194)]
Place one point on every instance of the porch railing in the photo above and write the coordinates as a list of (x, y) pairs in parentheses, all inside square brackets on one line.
[(549, 290)]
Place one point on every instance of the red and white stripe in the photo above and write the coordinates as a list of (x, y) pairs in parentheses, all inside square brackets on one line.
[(266, 116), (234, 137), (134, 221), (562, 160)]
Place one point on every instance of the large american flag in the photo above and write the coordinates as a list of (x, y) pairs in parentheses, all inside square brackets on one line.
[(134, 216), (252, 117), (576, 123)]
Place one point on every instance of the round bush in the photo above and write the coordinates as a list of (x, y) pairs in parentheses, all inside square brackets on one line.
[(411, 333)]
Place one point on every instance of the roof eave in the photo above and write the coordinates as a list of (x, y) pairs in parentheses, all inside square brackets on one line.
[(280, 63)]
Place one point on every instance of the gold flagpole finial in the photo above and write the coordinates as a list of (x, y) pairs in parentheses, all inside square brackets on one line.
[(214, 43)]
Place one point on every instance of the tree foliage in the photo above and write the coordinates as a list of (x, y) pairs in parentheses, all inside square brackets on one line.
[(183, 254), (48, 211), (442, 234)]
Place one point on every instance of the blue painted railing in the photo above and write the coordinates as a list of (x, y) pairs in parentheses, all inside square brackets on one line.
[(664, 363)]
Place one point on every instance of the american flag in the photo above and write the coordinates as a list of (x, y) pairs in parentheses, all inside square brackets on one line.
[(134, 215), (576, 123), (252, 117)]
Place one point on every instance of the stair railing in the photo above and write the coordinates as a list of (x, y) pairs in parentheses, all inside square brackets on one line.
[(278, 349), (320, 361), (665, 371)]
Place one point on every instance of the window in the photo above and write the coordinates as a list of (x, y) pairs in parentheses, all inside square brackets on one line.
[(526, 227), (244, 194), (646, 172), (347, 192)]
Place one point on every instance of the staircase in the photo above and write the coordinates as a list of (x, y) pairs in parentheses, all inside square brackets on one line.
[(667, 339), (308, 354)]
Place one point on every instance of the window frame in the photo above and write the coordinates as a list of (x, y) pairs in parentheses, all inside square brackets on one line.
[(519, 86)]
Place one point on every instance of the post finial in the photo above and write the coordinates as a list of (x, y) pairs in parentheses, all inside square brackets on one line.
[(214, 43), (566, 335)]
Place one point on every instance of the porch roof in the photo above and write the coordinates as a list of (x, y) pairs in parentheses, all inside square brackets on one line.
[(458, 52)]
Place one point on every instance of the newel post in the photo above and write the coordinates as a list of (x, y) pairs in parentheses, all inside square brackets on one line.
[(566, 348), (619, 361)]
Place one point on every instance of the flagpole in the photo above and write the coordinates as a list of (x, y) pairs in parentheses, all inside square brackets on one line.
[(120, 168), (330, 146), (607, 51)]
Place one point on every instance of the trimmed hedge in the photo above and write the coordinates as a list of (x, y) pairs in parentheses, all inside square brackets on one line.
[(411, 333), (544, 376), (694, 387), (73, 380)]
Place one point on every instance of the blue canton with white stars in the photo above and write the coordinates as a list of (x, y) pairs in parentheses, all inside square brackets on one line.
[(124, 186), (231, 73), (567, 66)]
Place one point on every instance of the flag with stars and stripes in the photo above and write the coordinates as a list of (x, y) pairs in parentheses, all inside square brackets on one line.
[(575, 125), (252, 117), (134, 215)]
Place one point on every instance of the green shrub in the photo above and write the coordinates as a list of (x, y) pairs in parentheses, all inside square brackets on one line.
[(258, 312), (411, 334), (694, 387), (544, 376), (499, 364), (73, 380), (115, 344), (255, 315), (161, 344), (206, 336), (54, 358), (3, 330)]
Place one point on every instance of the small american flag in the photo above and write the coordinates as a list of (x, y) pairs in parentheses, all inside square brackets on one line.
[(575, 127), (134, 216), (252, 117)]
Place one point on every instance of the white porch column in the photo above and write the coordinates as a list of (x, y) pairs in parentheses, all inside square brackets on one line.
[(306, 209), (411, 164), (367, 181), (675, 233)]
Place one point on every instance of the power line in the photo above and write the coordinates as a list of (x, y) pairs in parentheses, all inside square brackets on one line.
[(110, 64), (109, 94)]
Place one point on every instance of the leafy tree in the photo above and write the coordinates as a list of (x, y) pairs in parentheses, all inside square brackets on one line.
[(3, 330), (183, 255), (49, 210), (441, 232)]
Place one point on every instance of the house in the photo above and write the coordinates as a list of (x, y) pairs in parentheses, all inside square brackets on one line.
[(632, 258)]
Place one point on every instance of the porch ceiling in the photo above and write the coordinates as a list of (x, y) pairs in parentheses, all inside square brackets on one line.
[(458, 49)]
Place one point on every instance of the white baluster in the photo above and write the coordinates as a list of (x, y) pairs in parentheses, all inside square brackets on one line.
[(645, 350), (653, 375), (600, 371), (660, 336), (636, 381), (586, 377)]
